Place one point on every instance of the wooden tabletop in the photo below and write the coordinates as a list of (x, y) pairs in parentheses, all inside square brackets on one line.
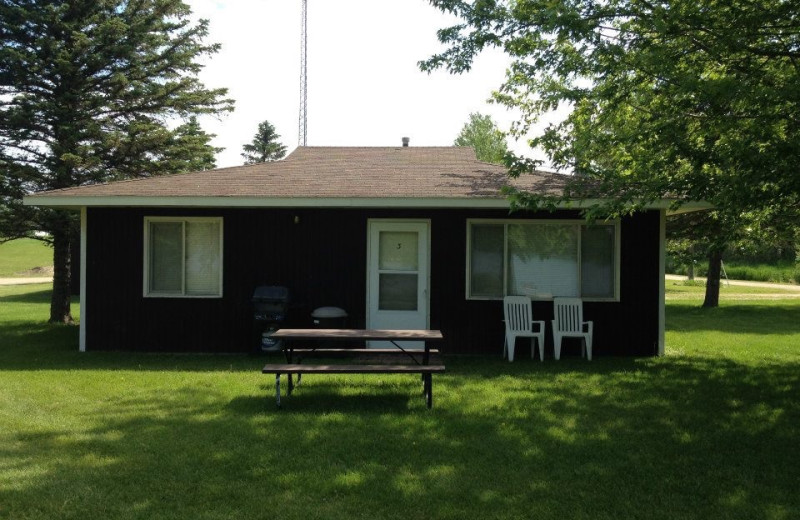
[(358, 334)]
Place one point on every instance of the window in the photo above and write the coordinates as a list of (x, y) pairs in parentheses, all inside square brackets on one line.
[(542, 259), (183, 256)]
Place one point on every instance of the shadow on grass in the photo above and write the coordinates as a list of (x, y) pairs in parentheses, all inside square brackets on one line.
[(615, 438), (42, 346), (42, 296), (326, 398)]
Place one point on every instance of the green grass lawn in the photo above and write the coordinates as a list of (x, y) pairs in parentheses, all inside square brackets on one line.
[(19, 257), (708, 431)]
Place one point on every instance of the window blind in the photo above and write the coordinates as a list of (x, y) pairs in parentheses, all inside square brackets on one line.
[(486, 260), (202, 258), (166, 257), (597, 262)]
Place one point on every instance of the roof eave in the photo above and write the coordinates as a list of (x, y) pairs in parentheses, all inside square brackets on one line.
[(76, 202)]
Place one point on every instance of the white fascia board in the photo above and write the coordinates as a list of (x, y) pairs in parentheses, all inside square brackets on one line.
[(257, 202), (663, 204), (76, 202), (688, 207)]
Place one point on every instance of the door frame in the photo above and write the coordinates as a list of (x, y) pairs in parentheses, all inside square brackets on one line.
[(427, 256)]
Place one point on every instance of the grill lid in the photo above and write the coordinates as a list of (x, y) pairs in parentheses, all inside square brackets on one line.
[(329, 312)]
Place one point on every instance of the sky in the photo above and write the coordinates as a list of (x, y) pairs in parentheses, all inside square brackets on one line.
[(364, 85)]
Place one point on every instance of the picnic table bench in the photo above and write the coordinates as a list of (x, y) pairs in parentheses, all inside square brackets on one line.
[(421, 358)]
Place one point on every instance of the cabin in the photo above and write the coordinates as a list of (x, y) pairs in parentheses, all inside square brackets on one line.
[(398, 237)]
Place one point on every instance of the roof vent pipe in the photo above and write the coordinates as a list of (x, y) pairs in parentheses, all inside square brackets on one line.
[(405, 141)]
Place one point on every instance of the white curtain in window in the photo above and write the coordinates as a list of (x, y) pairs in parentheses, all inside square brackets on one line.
[(166, 257), (202, 258), (543, 260)]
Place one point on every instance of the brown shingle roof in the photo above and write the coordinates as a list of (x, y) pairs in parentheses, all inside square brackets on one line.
[(333, 172)]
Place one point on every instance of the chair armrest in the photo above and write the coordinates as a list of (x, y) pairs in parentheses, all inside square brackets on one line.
[(589, 325), (540, 323)]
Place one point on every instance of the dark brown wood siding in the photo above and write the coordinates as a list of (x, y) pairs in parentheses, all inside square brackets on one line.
[(320, 254)]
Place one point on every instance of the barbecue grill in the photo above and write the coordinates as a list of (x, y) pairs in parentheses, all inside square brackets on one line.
[(270, 305)]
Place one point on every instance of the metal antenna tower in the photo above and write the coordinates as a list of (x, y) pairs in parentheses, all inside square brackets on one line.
[(301, 135)]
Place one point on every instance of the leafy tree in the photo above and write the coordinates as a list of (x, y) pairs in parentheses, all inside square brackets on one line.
[(484, 137), (265, 146), (692, 236), (683, 252), (758, 236), (689, 100), (87, 88)]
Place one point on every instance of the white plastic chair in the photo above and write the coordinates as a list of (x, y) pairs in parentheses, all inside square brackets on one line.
[(568, 323), (520, 324)]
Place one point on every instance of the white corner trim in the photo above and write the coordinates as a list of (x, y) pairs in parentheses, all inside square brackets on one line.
[(82, 325), (662, 255)]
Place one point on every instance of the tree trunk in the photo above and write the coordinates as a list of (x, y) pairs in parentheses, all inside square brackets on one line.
[(712, 282), (60, 300)]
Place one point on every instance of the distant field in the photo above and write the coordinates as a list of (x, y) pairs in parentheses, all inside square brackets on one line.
[(25, 257), (779, 272), (685, 290)]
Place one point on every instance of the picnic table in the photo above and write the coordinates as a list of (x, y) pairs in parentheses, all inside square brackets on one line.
[(420, 358)]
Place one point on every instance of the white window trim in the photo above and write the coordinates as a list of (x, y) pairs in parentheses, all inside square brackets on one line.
[(146, 258), (505, 223)]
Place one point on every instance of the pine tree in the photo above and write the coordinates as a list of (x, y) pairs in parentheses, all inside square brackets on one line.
[(88, 88), (264, 146), (190, 150)]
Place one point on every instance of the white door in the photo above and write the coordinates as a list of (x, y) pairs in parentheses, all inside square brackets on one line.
[(397, 277)]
